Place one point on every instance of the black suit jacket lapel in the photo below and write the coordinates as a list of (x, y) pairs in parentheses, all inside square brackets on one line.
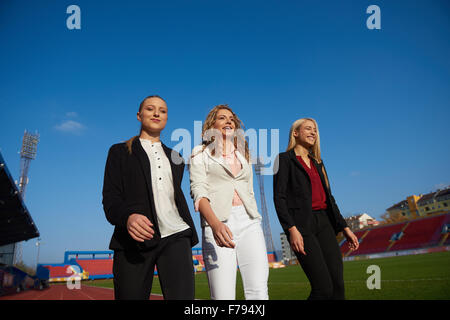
[(318, 168), (174, 167), (142, 156), (297, 163)]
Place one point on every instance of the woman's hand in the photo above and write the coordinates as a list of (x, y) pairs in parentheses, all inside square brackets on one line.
[(139, 227), (222, 235), (296, 240), (352, 240)]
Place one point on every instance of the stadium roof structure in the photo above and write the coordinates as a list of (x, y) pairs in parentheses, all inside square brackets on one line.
[(402, 204), (426, 197), (443, 194), (16, 223)]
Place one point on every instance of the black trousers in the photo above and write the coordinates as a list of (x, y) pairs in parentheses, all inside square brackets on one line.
[(133, 270), (322, 263)]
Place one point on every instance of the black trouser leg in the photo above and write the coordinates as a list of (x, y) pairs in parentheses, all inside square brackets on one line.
[(176, 269), (133, 271), (333, 256), (322, 263), (133, 274)]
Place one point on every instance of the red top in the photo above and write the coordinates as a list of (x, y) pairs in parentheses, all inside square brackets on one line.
[(319, 199)]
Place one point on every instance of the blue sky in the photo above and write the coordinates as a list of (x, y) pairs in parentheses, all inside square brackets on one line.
[(381, 97)]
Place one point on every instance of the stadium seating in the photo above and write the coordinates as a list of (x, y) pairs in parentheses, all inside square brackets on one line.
[(413, 234), (447, 241), (344, 247), (271, 257), (201, 264), (420, 234), (97, 268), (199, 257), (58, 271), (445, 232), (378, 239)]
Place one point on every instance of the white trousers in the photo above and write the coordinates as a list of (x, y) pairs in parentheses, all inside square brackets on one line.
[(249, 254)]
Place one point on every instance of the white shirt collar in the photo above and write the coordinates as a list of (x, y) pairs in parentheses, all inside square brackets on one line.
[(158, 143)]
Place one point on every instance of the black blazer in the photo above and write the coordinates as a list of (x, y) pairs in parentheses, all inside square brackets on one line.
[(292, 195), (127, 189)]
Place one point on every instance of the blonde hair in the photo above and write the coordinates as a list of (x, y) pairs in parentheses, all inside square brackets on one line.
[(314, 151), (129, 142), (209, 123)]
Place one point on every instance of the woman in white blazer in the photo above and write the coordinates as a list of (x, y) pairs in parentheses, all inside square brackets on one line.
[(221, 177)]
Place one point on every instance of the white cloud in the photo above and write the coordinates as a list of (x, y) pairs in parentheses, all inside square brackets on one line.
[(70, 126)]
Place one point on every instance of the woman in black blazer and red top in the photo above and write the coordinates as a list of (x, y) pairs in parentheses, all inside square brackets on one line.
[(142, 198), (308, 212)]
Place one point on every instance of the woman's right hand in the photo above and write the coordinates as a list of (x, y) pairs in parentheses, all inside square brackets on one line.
[(139, 227), (222, 235), (296, 240)]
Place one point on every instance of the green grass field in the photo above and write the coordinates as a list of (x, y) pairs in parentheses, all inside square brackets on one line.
[(423, 277)]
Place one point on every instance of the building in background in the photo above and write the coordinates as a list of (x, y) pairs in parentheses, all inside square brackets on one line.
[(412, 205), (425, 204), (434, 202), (361, 221), (288, 255), (399, 210), (420, 206)]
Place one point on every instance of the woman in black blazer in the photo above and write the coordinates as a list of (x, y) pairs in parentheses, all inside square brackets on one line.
[(142, 198), (308, 212)]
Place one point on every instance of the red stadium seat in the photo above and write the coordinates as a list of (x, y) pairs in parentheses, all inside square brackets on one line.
[(421, 233), (58, 271), (344, 246), (96, 267), (378, 239)]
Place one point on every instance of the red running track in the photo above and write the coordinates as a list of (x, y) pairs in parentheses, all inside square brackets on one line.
[(61, 292)]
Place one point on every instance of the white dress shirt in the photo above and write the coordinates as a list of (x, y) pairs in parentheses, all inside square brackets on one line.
[(169, 219)]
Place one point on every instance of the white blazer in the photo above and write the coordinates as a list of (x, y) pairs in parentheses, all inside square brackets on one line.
[(211, 177)]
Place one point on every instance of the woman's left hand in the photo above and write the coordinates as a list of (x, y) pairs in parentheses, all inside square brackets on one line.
[(352, 240)]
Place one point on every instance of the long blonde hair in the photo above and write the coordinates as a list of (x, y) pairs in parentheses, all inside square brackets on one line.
[(314, 151), (129, 142), (209, 123)]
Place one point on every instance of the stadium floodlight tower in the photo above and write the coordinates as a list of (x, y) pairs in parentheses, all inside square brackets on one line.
[(27, 153), (266, 225)]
